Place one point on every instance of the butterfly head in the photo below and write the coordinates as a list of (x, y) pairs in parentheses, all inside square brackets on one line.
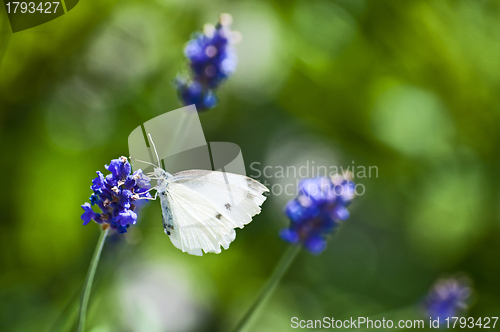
[(160, 173)]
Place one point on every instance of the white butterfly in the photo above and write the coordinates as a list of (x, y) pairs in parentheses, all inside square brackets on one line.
[(201, 209)]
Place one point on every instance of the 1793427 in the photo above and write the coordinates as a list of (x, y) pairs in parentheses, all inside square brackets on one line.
[(31, 7)]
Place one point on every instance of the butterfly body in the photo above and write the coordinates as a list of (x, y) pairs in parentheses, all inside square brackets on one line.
[(168, 220)]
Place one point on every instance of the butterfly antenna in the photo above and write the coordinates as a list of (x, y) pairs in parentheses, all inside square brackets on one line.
[(142, 161), (154, 147)]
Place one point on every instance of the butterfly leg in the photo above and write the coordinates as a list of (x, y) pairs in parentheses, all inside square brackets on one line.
[(149, 198), (154, 188)]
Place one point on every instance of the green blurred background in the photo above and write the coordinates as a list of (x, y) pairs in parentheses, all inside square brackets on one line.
[(411, 87)]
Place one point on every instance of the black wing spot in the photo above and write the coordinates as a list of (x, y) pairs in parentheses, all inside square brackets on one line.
[(218, 216), (228, 206), (168, 233)]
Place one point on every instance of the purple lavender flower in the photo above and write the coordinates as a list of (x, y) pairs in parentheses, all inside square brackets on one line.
[(212, 59), (447, 298), (117, 196), (194, 93), (317, 210)]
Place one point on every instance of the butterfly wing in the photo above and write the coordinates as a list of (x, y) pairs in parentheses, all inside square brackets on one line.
[(206, 206)]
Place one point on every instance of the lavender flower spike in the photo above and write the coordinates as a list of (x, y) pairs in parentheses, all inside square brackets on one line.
[(212, 59), (447, 298), (317, 211), (117, 196)]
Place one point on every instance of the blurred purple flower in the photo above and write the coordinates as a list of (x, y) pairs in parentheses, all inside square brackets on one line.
[(116, 195), (316, 211), (447, 298), (212, 59), (194, 93)]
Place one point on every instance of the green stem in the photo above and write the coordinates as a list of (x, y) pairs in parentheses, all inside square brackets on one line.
[(84, 301), (269, 287)]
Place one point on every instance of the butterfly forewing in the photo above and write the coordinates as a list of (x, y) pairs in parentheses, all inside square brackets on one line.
[(206, 206)]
